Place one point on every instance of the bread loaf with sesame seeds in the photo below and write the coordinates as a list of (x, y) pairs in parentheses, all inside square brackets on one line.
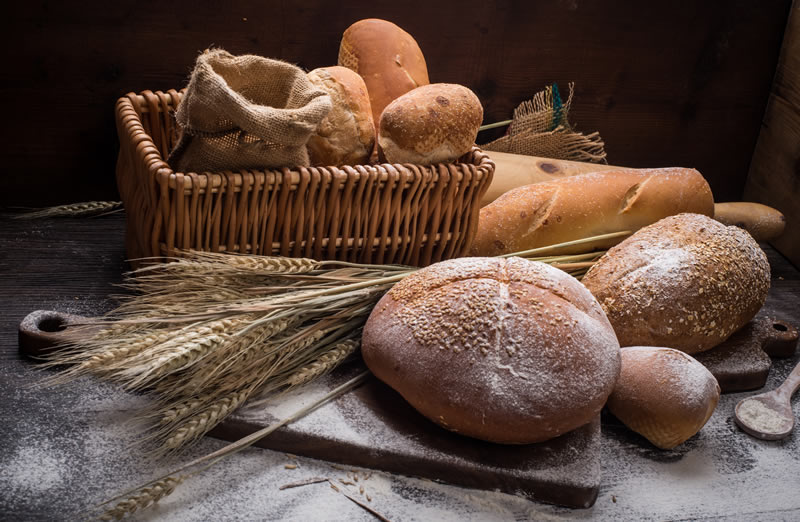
[(686, 282), (435, 123), (663, 394), (588, 205), (505, 350)]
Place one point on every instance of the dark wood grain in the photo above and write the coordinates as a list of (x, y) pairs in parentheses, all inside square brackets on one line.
[(774, 177), (666, 83)]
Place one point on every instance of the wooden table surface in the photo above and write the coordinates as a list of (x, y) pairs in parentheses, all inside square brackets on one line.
[(63, 449)]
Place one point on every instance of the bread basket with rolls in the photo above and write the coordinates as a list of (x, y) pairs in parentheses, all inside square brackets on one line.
[(373, 213)]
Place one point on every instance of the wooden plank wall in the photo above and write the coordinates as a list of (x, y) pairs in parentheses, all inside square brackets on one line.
[(665, 82), (774, 177)]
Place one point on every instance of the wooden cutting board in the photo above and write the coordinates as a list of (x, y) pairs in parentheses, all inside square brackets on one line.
[(374, 427), (743, 361)]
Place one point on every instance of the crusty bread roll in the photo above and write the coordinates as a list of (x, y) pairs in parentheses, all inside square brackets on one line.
[(687, 282), (506, 350), (347, 134), (435, 123), (587, 205), (663, 394), (387, 57)]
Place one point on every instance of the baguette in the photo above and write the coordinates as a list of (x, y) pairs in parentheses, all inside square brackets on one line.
[(588, 205)]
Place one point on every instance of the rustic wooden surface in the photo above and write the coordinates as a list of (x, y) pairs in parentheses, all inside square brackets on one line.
[(665, 83), (64, 449), (774, 177)]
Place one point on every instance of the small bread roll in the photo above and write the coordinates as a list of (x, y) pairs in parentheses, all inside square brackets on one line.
[(347, 134), (505, 350), (436, 123), (687, 282), (388, 58), (663, 394)]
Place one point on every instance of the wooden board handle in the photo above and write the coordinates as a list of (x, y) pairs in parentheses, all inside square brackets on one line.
[(43, 330)]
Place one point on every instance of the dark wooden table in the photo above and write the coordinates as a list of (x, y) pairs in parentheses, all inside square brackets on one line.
[(62, 449)]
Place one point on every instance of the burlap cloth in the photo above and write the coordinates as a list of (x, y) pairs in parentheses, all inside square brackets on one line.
[(246, 112), (540, 128)]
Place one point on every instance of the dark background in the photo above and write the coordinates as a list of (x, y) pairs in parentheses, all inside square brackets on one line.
[(665, 83)]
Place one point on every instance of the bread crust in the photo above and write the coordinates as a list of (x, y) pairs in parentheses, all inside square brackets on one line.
[(686, 282), (387, 57), (588, 205), (663, 394), (346, 136), (509, 351), (435, 123)]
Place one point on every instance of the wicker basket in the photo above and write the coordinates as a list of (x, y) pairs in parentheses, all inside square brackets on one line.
[(407, 214)]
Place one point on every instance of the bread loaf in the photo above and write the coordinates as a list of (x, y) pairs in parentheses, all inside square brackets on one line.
[(435, 123), (587, 205), (505, 350), (663, 394), (346, 136), (686, 282), (387, 57)]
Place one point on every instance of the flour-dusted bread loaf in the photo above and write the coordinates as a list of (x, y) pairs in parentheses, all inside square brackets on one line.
[(687, 282), (505, 350), (592, 204), (387, 57), (436, 123), (346, 136), (663, 394)]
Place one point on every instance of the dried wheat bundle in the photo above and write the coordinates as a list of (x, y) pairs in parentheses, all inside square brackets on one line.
[(207, 332)]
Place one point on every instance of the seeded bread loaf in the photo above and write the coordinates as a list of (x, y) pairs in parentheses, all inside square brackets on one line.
[(504, 350), (686, 282), (435, 123), (588, 205), (346, 136), (663, 394)]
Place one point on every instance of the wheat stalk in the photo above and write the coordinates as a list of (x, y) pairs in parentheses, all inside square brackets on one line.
[(158, 488), (88, 208)]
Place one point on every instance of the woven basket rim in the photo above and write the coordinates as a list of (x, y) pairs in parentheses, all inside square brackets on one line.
[(165, 174)]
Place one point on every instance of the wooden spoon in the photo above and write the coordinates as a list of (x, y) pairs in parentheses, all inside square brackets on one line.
[(769, 415)]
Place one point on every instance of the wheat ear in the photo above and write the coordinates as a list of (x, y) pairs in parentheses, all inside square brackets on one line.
[(177, 476), (324, 364), (88, 208), (144, 498)]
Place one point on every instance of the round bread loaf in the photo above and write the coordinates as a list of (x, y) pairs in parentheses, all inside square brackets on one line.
[(687, 282), (387, 57), (505, 350), (346, 136), (663, 394), (435, 123)]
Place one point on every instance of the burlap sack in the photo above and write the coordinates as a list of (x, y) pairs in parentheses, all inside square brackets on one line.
[(246, 112), (540, 128)]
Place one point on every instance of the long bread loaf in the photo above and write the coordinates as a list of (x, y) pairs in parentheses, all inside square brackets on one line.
[(588, 205)]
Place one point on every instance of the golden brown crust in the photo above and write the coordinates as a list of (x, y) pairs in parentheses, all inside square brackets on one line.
[(588, 205), (663, 394), (347, 134), (387, 57), (687, 282), (435, 123), (508, 351)]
